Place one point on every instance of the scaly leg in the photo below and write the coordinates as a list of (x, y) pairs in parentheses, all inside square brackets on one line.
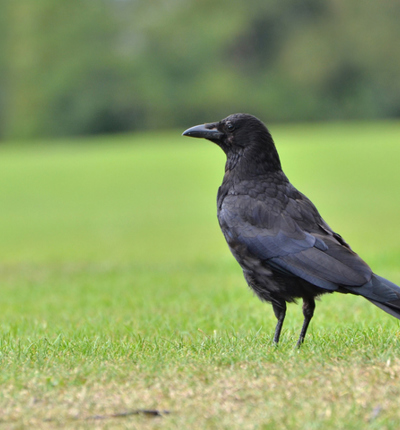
[(280, 312), (308, 312)]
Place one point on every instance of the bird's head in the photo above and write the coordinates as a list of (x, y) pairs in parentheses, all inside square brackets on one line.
[(240, 135)]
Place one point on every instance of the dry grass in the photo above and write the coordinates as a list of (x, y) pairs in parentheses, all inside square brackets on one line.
[(246, 395)]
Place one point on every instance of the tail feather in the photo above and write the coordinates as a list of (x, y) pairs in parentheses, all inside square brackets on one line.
[(382, 293), (392, 310)]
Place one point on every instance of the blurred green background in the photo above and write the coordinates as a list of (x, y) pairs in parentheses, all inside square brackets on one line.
[(89, 67)]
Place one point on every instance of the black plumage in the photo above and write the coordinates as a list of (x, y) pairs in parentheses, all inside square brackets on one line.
[(285, 248)]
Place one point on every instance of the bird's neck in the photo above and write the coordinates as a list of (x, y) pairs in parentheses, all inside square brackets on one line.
[(251, 162)]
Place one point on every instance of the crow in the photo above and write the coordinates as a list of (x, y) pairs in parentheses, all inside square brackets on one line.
[(285, 248)]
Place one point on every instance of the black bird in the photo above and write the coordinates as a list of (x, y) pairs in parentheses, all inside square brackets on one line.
[(285, 248)]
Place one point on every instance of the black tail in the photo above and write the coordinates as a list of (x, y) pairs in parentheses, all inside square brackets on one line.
[(381, 293)]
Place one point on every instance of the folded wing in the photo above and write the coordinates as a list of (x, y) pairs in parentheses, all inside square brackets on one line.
[(293, 239)]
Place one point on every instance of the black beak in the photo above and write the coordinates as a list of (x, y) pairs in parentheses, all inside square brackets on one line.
[(206, 131)]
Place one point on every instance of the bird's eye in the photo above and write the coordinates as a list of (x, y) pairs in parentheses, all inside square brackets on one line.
[(229, 126)]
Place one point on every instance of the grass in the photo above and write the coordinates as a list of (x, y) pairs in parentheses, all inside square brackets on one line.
[(119, 293)]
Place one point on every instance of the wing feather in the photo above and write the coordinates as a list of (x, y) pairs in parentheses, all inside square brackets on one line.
[(292, 240)]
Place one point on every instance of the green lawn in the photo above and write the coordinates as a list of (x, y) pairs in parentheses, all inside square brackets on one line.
[(119, 292)]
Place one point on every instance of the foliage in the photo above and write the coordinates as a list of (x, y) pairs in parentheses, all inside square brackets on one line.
[(115, 65)]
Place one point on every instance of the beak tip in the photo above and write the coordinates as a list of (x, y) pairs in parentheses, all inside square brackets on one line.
[(191, 132)]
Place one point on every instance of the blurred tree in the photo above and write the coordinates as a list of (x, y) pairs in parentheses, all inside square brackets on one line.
[(83, 67), (62, 69)]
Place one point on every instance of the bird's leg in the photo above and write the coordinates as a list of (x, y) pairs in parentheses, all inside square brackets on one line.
[(280, 312), (308, 312)]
